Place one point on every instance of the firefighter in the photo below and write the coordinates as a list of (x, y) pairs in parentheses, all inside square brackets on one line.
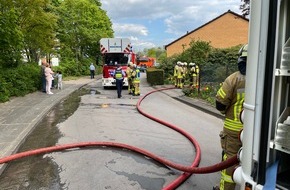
[(136, 80), (184, 73), (129, 77), (195, 75), (229, 101), (175, 73), (180, 76), (190, 74)]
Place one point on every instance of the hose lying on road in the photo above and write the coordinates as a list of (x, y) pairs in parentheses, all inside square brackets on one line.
[(211, 169), (187, 169)]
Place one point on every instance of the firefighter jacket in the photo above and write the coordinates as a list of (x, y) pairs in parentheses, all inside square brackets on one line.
[(175, 70), (128, 72), (180, 72), (136, 75), (184, 71), (230, 97), (194, 70)]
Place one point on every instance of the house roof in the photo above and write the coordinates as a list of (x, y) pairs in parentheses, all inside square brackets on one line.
[(188, 33)]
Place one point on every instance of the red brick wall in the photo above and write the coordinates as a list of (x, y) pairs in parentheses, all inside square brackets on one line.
[(226, 31)]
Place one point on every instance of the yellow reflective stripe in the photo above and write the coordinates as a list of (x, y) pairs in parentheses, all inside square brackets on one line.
[(233, 125), (221, 93), (119, 75), (238, 106), (225, 177)]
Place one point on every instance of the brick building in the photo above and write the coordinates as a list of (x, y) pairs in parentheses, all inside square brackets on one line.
[(227, 30)]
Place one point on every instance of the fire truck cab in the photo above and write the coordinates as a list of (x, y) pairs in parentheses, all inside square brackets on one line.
[(265, 155), (115, 51)]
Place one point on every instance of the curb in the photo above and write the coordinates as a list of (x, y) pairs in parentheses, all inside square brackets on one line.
[(200, 106)]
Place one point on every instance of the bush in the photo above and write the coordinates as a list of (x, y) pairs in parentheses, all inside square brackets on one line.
[(214, 66), (19, 81), (155, 76), (207, 92)]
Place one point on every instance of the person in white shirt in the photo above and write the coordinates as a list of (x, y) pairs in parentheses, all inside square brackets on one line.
[(92, 70)]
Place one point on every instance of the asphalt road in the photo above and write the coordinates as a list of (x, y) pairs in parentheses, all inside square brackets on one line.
[(104, 117)]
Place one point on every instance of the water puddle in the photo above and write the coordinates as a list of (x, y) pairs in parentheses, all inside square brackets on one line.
[(37, 172)]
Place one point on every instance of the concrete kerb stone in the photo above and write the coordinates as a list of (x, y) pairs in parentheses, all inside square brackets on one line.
[(200, 105), (193, 102)]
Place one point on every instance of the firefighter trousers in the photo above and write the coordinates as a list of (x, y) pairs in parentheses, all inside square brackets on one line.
[(136, 85), (179, 82), (130, 86), (230, 144), (194, 82)]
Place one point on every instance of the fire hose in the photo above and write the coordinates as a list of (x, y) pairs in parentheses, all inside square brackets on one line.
[(188, 170)]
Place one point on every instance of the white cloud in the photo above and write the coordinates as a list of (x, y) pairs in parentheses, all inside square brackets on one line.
[(127, 29), (135, 18)]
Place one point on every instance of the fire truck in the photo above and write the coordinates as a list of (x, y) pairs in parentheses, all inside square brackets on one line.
[(115, 51), (265, 154), (146, 61)]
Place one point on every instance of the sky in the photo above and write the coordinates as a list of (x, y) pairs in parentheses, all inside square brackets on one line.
[(156, 23)]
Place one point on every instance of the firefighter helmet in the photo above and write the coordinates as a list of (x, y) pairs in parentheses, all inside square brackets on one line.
[(242, 60), (243, 51)]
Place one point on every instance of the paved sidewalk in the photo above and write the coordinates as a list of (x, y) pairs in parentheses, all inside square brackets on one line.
[(20, 115)]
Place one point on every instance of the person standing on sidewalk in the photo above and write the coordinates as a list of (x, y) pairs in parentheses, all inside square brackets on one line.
[(229, 101), (92, 70), (59, 80), (119, 75), (48, 77), (43, 79)]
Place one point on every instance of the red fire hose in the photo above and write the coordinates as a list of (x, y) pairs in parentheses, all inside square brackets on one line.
[(188, 170)]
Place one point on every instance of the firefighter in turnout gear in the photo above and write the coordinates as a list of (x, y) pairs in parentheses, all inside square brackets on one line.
[(229, 101), (136, 80), (175, 73), (129, 77), (180, 76), (194, 71), (184, 73)]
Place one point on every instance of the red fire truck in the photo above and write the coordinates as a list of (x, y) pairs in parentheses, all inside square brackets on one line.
[(115, 51)]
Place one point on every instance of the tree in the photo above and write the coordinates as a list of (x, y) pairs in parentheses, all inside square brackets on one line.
[(11, 35), (197, 52), (245, 7), (38, 26), (82, 23), (158, 53)]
